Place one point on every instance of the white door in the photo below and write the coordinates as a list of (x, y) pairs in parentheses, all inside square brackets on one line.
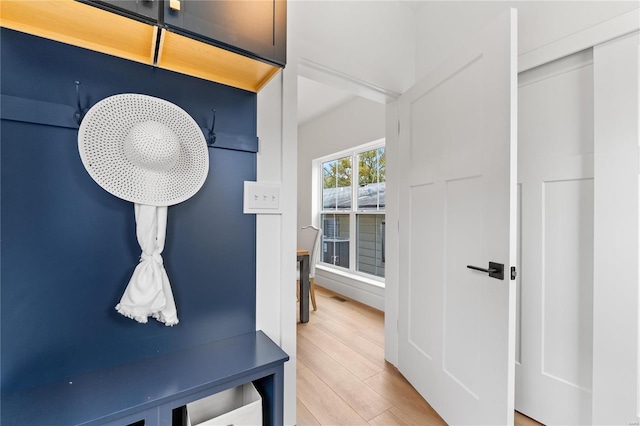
[(554, 357), (458, 155)]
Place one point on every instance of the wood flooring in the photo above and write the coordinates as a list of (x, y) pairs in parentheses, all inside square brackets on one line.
[(343, 378)]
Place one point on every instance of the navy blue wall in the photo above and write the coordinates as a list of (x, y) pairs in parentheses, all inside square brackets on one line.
[(68, 247)]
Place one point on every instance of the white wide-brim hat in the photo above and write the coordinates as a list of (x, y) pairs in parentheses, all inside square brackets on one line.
[(143, 149)]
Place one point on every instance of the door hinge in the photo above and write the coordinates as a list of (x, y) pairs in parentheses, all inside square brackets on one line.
[(514, 273)]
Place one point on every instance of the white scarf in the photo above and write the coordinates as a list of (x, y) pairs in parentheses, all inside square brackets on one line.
[(149, 291)]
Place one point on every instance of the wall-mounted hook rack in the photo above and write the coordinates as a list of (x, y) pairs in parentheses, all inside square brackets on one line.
[(212, 134), (80, 112)]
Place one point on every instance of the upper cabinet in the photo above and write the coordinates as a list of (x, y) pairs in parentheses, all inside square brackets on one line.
[(237, 43), (254, 28), (145, 9)]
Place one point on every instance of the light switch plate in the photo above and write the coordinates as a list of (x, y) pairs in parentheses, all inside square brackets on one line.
[(261, 198)]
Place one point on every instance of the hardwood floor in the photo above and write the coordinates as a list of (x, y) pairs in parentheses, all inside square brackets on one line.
[(343, 378)]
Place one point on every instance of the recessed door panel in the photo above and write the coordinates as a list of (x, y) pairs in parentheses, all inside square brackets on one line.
[(567, 285), (425, 292), (437, 115), (463, 293)]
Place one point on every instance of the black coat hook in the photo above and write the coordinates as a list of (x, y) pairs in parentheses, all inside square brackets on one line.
[(212, 133), (80, 112)]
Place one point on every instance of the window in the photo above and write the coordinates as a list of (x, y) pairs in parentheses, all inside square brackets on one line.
[(352, 214)]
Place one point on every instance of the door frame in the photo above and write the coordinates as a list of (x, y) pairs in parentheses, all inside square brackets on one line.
[(616, 236)]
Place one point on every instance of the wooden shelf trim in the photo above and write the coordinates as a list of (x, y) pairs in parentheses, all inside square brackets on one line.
[(192, 57)]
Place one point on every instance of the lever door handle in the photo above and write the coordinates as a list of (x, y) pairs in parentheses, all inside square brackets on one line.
[(495, 270), (488, 271)]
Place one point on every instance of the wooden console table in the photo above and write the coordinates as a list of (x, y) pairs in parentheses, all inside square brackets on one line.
[(149, 390)]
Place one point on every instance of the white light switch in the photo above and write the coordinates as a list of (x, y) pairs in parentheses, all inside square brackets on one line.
[(261, 197)]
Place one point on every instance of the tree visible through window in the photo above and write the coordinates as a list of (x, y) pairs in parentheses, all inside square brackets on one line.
[(353, 230), (337, 173), (372, 165), (336, 188)]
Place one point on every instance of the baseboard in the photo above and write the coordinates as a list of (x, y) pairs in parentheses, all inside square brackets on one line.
[(352, 288)]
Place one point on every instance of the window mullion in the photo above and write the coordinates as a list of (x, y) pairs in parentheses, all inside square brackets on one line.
[(355, 182)]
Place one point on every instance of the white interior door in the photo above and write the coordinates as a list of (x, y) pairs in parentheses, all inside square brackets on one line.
[(555, 173), (457, 145)]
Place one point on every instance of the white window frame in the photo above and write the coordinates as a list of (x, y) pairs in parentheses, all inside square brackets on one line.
[(353, 212)]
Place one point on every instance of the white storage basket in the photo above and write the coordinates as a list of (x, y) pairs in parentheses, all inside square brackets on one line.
[(239, 406)]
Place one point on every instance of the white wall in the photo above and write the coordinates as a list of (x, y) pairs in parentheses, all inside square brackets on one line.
[(444, 26), (357, 122), (373, 41), (276, 237)]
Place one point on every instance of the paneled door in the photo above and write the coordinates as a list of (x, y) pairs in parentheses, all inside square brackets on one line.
[(457, 148), (554, 356)]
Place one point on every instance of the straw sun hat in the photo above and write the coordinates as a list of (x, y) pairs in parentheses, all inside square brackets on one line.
[(150, 152), (143, 149)]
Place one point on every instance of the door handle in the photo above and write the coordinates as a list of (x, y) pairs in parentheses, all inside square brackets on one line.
[(495, 270)]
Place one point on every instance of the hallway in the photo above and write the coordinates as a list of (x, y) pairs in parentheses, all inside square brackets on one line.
[(343, 378)]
